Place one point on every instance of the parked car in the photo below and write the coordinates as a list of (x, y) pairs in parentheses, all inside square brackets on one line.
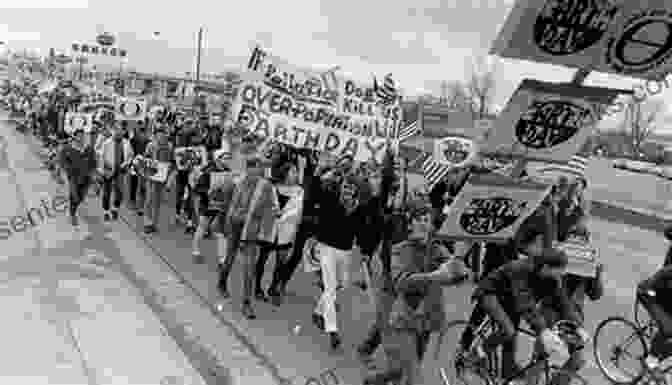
[(619, 163), (639, 166), (664, 172)]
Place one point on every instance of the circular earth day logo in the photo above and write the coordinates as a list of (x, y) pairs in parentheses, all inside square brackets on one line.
[(487, 216), (456, 150), (548, 123), (642, 44), (566, 27)]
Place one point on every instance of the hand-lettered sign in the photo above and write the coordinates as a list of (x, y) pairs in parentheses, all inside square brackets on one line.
[(187, 158), (131, 109), (150, 168), (491, 207), (266, 112), (454, 151), (75, 121), (546, 121), (632, 38)]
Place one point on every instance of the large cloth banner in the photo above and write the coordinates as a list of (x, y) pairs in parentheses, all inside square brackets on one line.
[(78, 121), (492, 207), (547, 121), (630, 38), (368, 112), (268, 112)]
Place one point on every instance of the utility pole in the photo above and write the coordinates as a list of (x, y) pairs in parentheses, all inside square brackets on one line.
[(444, 92), (198, 55)]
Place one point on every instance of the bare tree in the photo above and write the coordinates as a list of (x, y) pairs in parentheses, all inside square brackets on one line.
[(480, 85), (456, 96), (639, 121)]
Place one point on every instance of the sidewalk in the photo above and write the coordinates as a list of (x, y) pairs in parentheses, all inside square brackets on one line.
[(71, 317)]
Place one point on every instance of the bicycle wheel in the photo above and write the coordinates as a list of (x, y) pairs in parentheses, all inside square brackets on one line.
[(620, 349), (453, 368), (554, 375)]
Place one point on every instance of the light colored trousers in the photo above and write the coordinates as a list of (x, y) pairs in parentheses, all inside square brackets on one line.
[(335, 265)]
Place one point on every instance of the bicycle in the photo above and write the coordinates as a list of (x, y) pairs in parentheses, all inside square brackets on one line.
[(638, 335), (539, 370)]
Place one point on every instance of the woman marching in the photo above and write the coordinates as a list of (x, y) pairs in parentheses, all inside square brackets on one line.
[(78, 160)]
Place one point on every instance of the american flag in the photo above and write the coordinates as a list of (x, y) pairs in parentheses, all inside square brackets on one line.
[(386, 92), (408, 131), (433, 171), (575, 168)]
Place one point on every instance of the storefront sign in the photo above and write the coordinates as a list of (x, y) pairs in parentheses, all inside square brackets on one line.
[(95, 49)]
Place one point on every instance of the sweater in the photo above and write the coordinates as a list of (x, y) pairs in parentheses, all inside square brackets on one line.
[(78, 165)]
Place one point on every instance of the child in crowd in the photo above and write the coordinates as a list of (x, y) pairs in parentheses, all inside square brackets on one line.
[(418, 309)]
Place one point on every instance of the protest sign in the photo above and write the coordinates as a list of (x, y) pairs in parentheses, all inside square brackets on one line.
[(454, 151), (187, 158), (368, 113), (78, 121), (547, 121), (491, 207), (150, 168), (582, 257), (131, 109), (304, 84), (630, 38), (267, 112)]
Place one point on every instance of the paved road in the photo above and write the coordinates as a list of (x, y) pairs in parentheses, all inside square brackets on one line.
[(630, 254)]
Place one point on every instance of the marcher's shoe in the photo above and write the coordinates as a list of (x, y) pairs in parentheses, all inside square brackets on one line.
[(190, 229), (149, 229), (384, 377), (74, 220), (248, 311), (334, 340), (259, 294), (275, 297), (199, 259), (369, 345), (106, 217), (140, 213), (115, 215), (318, 321)]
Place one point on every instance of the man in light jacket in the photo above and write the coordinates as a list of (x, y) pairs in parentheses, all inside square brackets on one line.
[(115, 156)]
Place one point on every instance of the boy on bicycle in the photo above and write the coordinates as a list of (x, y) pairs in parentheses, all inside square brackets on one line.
[(651, 293), (511, 293)]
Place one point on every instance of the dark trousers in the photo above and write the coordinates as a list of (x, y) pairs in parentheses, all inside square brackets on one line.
[(115, 183), (136, 192), (284, 271), (264, 251), (78, 192), (182, 185), (495, 256)]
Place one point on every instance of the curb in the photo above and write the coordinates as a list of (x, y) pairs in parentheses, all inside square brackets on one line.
[(223, 375), (252, 349)]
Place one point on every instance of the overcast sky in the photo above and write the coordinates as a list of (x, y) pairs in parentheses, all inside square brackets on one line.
[(421, 42)]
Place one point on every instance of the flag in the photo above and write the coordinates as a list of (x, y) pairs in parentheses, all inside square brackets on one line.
[(575, 168), (408, 131), (387, 93), (433, 171), (578, 165)]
